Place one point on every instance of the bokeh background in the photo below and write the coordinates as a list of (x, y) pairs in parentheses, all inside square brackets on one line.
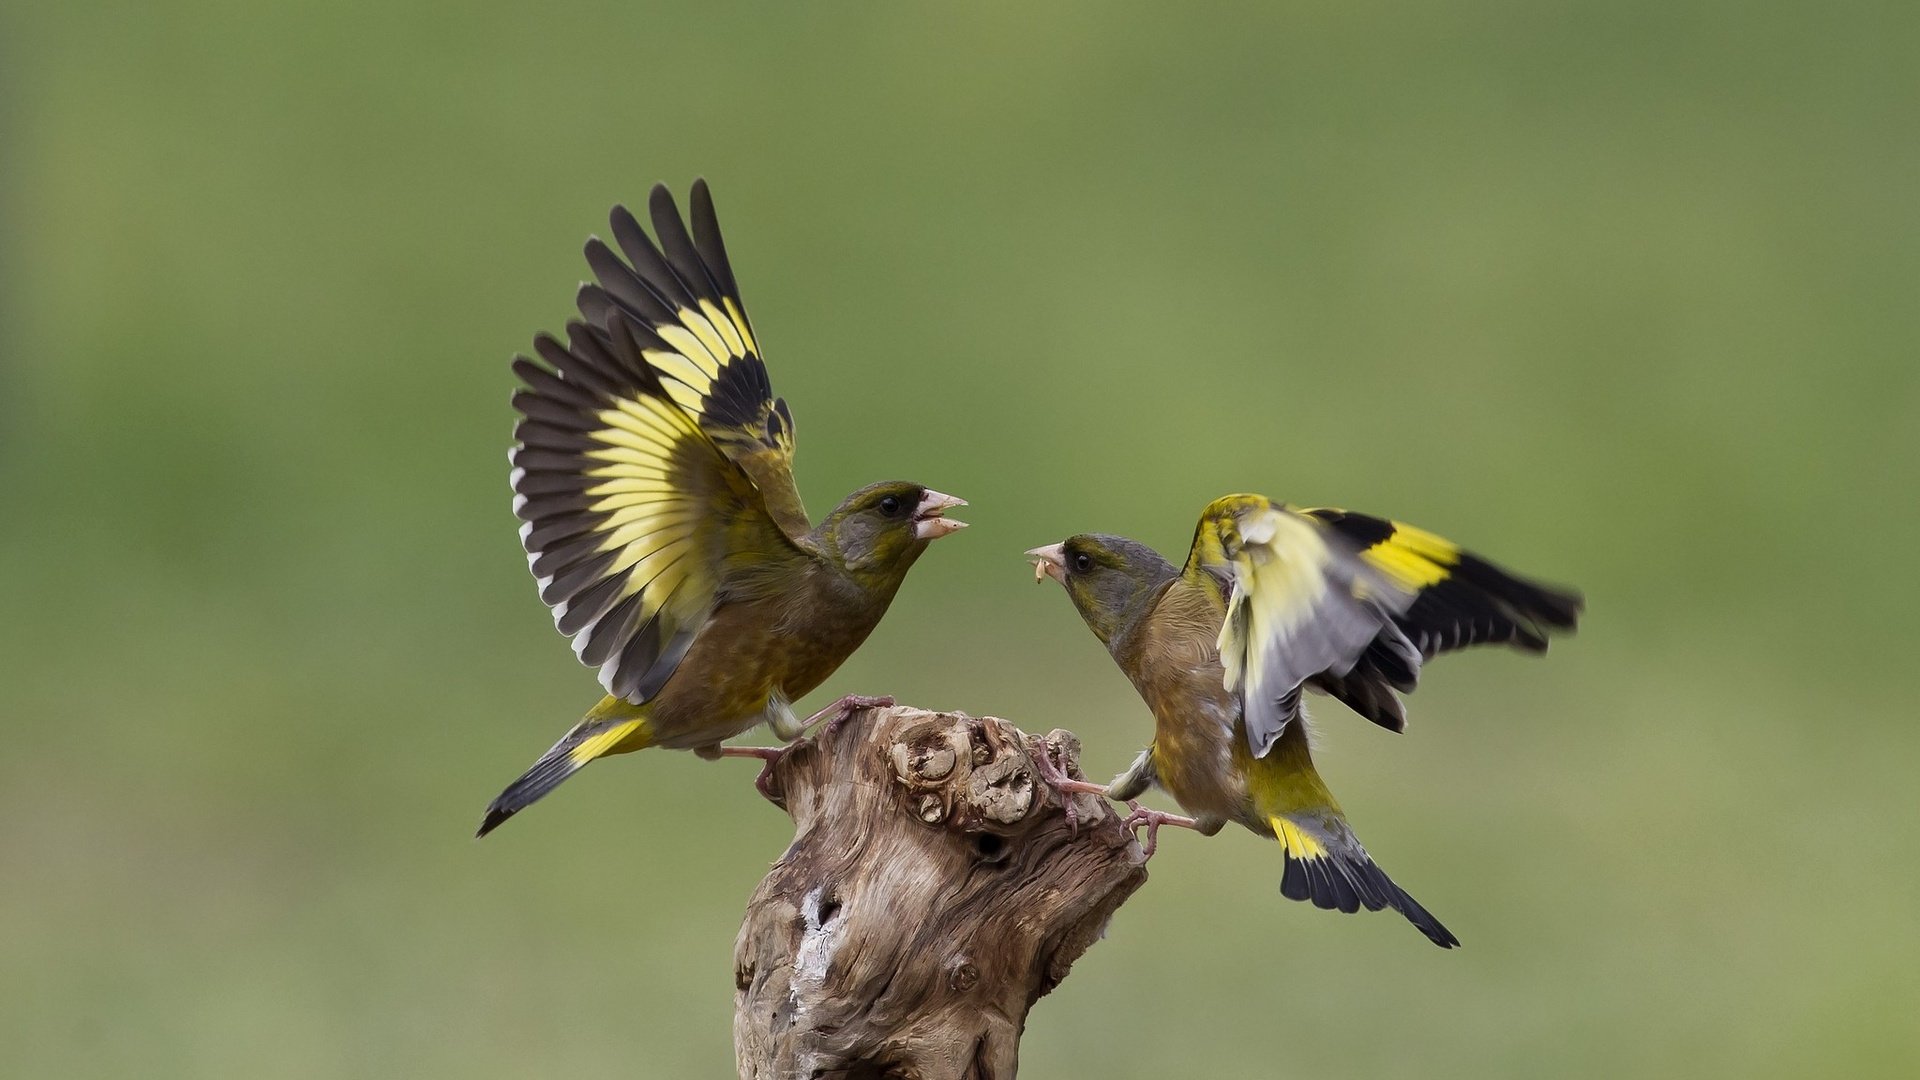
[(1622, 294)]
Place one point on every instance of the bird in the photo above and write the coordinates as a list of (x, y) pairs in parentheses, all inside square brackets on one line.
[(1273, 600), (653, 482)]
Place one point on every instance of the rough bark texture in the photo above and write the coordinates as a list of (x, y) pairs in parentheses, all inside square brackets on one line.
[(932, 894)]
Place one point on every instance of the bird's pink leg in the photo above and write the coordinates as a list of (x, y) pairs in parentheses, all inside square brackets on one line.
[(1151, 820), (838, 712), (835, 715), (771, 755)]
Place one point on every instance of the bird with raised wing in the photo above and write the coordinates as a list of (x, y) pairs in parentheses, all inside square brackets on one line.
[(653, 479), (1272, 601)]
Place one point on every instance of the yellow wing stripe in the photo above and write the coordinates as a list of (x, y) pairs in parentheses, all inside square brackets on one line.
[(740, 325), (682, 372), (686, 344), (724, 324), (709, 337), (626, 446), (632, 480), (648, 566), (1299, 844), (637, 510), (1413, 558), (650, 516), (650, 414), (646, 436), (620, 492), (1438, 548), (662, 518), (1407, 569)]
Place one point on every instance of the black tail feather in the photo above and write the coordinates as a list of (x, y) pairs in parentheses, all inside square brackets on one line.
[(1337, 882), (546, 774)]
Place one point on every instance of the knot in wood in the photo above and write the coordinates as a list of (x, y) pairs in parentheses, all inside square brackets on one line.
[(971, 774), (925, 753), (963, 977), (1002, 790)]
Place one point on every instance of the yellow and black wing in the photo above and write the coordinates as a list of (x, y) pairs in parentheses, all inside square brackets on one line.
[(629, 508), (1459, 600), (692, 329), (1301, 602)]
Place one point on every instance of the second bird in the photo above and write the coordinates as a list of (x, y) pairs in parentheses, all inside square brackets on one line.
[(1271, 601), (654, 483)]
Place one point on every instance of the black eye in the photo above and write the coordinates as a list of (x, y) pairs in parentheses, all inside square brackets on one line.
[(1082, 562), (890, 505)]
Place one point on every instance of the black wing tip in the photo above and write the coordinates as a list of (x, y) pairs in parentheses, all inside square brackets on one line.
[(1564, 607), (619, 218), (1367, 693), (1380, 705), (664, 210), (1550, 606)]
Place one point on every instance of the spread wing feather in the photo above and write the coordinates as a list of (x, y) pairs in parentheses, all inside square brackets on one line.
[(628, 507), (1460, 600), (692, 330)]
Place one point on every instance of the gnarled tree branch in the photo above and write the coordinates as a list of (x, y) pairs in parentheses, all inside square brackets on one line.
[(933, 892)]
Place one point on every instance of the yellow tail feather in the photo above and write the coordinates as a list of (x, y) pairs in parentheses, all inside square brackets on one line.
[(609, 741)]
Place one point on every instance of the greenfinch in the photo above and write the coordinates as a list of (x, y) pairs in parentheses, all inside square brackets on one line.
[(653, 479), (1271, 601)]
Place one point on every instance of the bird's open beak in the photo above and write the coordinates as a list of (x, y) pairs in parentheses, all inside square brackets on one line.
[(928, 524), (1049, 562)]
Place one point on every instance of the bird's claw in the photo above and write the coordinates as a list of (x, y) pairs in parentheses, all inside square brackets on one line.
[(1140, 817), (1055, 777)]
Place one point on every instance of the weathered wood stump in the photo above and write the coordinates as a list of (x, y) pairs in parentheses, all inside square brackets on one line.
[(933, 892)]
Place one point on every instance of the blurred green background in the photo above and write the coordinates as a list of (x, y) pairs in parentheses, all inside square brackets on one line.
[(1621, 294)]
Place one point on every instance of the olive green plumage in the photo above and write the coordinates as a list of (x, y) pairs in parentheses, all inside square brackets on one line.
[(653, 479), (1269, 602)]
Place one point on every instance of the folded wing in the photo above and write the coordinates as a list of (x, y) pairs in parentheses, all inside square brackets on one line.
[(1301, 602)]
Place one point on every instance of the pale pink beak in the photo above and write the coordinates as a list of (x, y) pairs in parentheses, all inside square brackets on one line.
[(927, 522), (1049, 562)]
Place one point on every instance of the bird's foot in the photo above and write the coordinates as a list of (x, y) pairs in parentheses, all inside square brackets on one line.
[(838, 712), (1056, 778), (771, 755), (1140, 817)]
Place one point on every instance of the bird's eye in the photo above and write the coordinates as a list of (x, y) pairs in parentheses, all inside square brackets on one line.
[(1082, 562), (890, 505)]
